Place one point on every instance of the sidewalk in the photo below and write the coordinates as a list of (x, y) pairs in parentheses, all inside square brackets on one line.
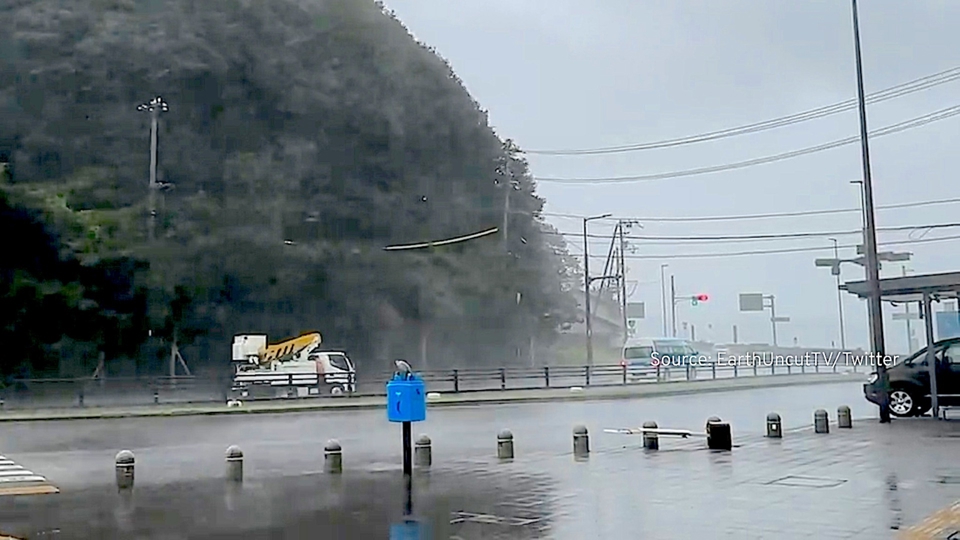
[(460, 399), (873, 481)]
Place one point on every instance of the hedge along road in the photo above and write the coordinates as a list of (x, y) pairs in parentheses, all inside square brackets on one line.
[(471, 398), (80, 452)]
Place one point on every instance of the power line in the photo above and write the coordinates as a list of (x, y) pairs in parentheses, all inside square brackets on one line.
[(770, 236), (663, 257), (919, 121), (899, 90), (768, 215)]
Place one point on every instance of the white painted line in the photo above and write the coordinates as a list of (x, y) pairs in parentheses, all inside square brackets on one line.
[(21, 472), (18, 479)]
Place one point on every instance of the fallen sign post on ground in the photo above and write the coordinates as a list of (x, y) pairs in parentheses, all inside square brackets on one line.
[(717, 433)]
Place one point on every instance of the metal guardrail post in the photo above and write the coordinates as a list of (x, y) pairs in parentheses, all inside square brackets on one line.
[(713, 369), (754, 368), (789, 369), (624, 370), (503, 379), (546, 376), (735, 370), (456, 381), (586, 372), (773, 368)]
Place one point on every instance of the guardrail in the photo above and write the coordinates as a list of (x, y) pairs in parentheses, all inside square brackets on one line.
[(134, 391)]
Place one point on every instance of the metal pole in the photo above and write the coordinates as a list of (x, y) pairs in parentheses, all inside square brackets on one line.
[(906, 309), (836, 256), (931, 358), (663, 300), (623, 283), (673, 306), (152, 218), (407, 469), (773, 318), (870, 240), (586, 294)]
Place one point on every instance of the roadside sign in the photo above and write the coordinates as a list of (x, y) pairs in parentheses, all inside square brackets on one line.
[(751, 301), (636, 310), (948, 324)]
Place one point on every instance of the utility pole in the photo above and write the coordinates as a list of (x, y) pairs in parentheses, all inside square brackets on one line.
[(586, 286), (663, 300), (155, 106), (673, 306), (623, 282), (870, 237), (836, 255)]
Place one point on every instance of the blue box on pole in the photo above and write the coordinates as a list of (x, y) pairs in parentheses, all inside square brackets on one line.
[(406, 399), (408, 530)]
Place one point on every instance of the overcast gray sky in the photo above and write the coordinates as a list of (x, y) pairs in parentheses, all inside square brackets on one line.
[(564, 74)]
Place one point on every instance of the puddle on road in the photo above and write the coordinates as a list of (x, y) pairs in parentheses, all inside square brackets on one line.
[(450, 504)]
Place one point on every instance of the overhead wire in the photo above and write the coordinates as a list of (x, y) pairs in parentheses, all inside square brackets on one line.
[(918, 121), (916, 85), (666, 256), (744, 217), (759, 237)]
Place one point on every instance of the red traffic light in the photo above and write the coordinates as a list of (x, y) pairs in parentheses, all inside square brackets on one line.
[(702, 297)]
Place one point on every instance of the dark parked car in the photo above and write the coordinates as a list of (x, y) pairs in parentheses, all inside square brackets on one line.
[(910, 380)]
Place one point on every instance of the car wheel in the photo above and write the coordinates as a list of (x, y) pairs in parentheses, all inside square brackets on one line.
[(904, 402), (336, 390)]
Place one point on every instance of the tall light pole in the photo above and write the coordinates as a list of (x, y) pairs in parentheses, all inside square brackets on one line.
[(663, 300), (836, 255), (673, 306), (870, 234), (586, 286), (155, 106)]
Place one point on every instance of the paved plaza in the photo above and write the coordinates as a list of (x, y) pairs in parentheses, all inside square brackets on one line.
[(872, 481)]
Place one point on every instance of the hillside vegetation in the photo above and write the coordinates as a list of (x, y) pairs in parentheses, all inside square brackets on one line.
[(303, 137)]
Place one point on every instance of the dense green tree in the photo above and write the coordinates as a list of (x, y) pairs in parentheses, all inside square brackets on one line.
[(303, 137)]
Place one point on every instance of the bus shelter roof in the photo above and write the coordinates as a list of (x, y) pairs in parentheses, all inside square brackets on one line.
[(942, 286)]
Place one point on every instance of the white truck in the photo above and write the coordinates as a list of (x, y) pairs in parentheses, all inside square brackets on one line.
[(294, 367)]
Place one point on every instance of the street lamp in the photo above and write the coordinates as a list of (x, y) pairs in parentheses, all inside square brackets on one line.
[(836, 256), (155, 106), (870, 233), (663, 299), (586, 285)]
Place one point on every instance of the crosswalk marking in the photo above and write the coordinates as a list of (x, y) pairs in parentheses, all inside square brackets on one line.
[(942, 524), (17, 480)]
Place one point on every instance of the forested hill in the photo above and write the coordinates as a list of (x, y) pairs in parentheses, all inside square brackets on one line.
[(302, 137)]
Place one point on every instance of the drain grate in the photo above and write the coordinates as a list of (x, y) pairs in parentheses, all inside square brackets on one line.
[(807, 481)]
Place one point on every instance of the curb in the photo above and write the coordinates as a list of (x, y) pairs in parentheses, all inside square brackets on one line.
[(662, 390)]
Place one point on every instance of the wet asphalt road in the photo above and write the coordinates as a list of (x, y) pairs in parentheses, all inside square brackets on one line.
[(78, 454)]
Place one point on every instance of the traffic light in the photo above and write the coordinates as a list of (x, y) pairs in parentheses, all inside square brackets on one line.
[(697, 298)]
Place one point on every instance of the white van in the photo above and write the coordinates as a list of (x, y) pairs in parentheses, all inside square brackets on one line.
[(644, 358)]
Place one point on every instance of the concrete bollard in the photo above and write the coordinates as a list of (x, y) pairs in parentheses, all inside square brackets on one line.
[(844, 417), (650, 440), (774, 426), (505, 444), (719, 436), (125, 464), (333, 457), (581, 441), (234, 464), (821, 422), (423, 452), (711, 420)]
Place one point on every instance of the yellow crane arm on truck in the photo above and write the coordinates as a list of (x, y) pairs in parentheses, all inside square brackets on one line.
[(289, 348)]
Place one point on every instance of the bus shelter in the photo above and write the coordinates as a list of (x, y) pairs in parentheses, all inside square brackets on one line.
[(923, 289)]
